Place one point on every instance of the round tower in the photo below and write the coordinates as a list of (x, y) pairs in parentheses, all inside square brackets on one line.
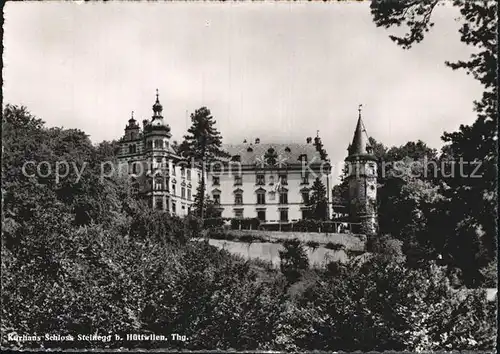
[(362, 182)]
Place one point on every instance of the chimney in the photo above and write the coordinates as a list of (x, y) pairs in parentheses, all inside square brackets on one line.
[(245, 141), (257, 141), (308, 140)]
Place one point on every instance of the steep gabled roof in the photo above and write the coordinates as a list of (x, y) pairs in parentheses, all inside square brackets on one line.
[(288, 153)]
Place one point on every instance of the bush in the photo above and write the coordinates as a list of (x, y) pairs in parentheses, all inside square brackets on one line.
[(312, 244), (335, 246), (213, 222), (293, 260)]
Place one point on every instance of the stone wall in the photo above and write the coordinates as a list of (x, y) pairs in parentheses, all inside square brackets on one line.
[(269, 252)]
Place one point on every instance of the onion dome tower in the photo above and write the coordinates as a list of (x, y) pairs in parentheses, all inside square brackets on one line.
[(158, 125)]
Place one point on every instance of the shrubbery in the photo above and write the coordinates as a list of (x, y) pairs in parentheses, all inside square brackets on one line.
[(103, 263), (245, 224)]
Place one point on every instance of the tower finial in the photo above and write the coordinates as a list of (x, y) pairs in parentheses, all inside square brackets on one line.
[(132, 115), (317, 133), (157, 107), (359, 110)]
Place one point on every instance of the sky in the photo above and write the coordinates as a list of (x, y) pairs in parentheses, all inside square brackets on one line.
[(275, 71)]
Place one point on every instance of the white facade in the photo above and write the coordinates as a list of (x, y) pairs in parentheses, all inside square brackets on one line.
[(266, 181)]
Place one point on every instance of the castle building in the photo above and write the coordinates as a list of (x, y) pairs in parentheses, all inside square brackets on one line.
[(271, 182), (158, 173), (268, 181), (362, 182)]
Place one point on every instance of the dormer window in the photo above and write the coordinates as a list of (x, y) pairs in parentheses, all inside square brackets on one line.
[(236, 158), (249, 149), (287, 149)]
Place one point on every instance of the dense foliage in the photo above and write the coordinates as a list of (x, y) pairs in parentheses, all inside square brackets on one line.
[(81, 256), (444, 206)]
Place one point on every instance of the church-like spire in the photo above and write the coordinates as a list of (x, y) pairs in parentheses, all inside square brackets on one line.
[(359, 141)]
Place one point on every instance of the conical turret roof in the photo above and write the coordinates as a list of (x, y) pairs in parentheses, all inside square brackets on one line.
[(360, 145), (359, 141)]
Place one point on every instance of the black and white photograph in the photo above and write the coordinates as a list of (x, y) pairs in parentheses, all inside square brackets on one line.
[(250, 176)]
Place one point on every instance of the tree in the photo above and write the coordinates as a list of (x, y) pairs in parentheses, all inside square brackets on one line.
[(202, 144), (320, 148), (293, 260), (475, 143), (317, 200), (210, 209)]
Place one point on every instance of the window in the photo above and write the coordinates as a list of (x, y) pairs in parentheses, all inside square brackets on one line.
[(217, 199), (150, 144), (189, 194), (173, 190), (134, 167), (305, 197), (305, 214), (261, 198), (158, 184), (183, 192), (271, 180), (159, 203), (284, 198), (173, 207), (238, 198), (131, 149), (283, 215), (216, 180), (188, 174), (216, 167), (158, 144), (261, 215), (238, 180), (283, 179), (238, 213), (260, 179), (159, 160), (183, 172)]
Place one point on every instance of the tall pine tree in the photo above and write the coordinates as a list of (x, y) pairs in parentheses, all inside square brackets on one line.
[(317, 200), (203, 145)]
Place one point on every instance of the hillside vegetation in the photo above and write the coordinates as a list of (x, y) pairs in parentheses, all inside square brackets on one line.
[(82, 256)]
